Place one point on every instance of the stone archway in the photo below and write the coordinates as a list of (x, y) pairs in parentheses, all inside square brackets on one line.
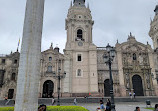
[(137, 85), (48, 89), (106, 88)]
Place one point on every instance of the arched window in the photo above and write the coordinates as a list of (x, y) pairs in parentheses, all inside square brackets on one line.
[(13, 76), (134, 57), (15, 61), (79, 33), (50, 58), (49, 69)]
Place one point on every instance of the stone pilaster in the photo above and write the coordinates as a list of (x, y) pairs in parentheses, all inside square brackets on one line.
[(152, 65), (121, 76), (29, 67)]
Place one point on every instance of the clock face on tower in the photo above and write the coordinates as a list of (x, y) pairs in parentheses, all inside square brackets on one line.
[(80, 43)]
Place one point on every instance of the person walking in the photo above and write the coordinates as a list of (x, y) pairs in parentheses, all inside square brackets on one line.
[(156, 107), (102, 108), (53, 101), (108, 105), (130, 94), (75, 101), (134, 95), (137, 109)]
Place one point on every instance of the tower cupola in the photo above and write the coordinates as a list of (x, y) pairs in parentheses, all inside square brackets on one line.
[(79, 2)]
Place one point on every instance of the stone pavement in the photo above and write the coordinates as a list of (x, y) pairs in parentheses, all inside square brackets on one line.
[(128, 106), (120, 106)]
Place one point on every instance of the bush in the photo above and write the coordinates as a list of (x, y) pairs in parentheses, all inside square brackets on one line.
[(150, 108), (66, 108), (52, 108), (6, 109)]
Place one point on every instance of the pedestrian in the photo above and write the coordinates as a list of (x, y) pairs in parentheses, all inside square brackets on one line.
[(108, 105), (75, 101), (102, 108), (130, 94), (137, 109), (156, 107), (89, 94), (134, 95), (42, 107), (53, 101)]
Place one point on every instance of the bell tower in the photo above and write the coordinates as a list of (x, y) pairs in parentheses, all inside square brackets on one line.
[(79, 25), (80, 48), (153, 33)]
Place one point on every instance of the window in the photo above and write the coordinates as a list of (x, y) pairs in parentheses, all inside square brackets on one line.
[(15, 61), (79, 58), (3, 61), (134, 57), (79, 34), (79, 72), (13, 76), (49, 69), (50, 58)]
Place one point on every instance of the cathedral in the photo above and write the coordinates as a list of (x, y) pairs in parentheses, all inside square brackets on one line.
[(134, 68)]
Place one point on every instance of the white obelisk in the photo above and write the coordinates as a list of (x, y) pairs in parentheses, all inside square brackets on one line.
[(29, 66)]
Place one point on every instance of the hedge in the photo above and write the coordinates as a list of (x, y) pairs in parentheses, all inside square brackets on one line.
[(52, 108), (6, 109)]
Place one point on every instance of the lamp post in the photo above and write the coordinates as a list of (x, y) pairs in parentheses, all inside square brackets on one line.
[(108, 58), (59, 76)]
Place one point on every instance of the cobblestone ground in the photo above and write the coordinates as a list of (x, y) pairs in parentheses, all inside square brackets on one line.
[(119, 106)]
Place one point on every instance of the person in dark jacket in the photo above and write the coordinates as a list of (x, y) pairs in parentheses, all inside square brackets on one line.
[(156, 107), (108, 105), (137, 109), (42, 107)]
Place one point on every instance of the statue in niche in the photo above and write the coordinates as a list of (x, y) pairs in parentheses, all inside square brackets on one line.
[(129, 60), (148, 81), (140, 59), (127, 81)]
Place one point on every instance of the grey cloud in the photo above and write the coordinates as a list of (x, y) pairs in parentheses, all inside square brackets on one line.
[(114, 19)]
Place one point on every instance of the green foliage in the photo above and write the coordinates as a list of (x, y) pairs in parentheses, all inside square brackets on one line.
[(66, 108), (6, 109), (150, 108), (52, 108)]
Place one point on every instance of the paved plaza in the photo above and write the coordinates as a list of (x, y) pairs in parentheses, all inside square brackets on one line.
[(125, 106), (120, 106)]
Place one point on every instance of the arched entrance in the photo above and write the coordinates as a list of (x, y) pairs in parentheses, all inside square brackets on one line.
[(10, 93), (107, 87), (137, 85), (48, 89)]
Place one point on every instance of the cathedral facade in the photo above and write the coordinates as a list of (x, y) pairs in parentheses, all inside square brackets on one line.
[(134, 68)]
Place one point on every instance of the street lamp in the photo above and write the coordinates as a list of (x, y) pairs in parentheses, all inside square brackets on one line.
[(108, 58), (59, 76)]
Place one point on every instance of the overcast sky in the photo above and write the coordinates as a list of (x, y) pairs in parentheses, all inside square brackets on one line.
[(114, 19)]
